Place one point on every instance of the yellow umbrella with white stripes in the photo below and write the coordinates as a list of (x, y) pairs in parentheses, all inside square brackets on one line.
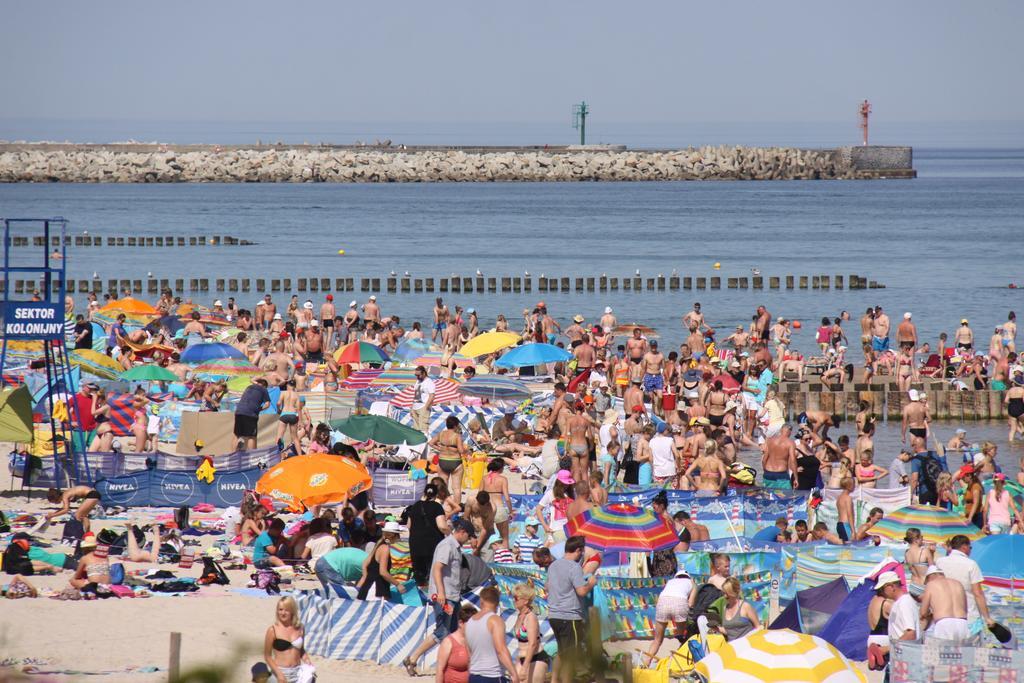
[(778, 656)]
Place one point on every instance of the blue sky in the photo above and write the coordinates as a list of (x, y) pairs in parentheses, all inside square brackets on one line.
[(741, 62)]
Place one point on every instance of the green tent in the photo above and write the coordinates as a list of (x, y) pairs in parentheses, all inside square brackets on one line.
[(16, 415)]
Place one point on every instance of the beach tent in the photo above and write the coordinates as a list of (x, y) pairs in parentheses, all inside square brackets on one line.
[(847, 629), (812, 608), (16, 414)]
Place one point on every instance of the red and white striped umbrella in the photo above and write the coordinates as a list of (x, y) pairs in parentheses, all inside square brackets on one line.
[(446, 391), (361, 379)]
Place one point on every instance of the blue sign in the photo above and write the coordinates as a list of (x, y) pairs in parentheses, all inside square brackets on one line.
[(33, 320)]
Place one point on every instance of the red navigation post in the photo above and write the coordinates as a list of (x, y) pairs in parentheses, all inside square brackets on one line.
[(865, 111)]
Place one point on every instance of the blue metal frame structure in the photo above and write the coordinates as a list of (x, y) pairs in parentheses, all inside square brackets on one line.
[(51, 276)]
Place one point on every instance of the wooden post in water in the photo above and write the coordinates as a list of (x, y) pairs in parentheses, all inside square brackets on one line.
[(803, 282), (417, 284), (773, 282), (467, 284), (732, 282), (406, 285), (716, 282), (702, 283), (673, 283), (565, 284), (613, 284), (687, 282), (517, 284)]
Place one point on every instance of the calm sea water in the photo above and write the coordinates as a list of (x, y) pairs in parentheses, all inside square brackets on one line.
[(946, 245)]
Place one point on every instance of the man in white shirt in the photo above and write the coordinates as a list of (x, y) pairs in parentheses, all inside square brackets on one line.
[(905, 615), (423, 399), (958, 565), (664, 461)]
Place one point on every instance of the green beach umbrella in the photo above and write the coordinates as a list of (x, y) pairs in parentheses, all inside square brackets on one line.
[(378, 428), (149, 373)]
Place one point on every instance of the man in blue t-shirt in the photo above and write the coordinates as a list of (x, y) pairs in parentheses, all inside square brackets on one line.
[(254, 400)]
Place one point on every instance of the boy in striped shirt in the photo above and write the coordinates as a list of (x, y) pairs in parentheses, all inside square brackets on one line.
[(528, 541)]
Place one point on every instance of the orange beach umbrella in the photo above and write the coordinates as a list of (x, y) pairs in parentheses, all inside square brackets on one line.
[(316, 479), (130, 305)]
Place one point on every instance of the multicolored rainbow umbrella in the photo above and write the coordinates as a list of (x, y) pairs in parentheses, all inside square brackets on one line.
[(767, 656), (225, 368), (936, 524), (361, 352), (623, 527), (438, 358)]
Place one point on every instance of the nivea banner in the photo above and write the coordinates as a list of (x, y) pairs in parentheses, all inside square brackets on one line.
[(162, 488)]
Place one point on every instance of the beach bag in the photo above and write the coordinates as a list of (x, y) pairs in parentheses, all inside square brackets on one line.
[(16, 560), (268, 580), (116, 573), (930, 471), (212, 573)]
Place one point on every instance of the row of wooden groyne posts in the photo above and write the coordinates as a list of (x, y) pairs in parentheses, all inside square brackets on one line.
[(85, 240), (885, 400), (479, 284)]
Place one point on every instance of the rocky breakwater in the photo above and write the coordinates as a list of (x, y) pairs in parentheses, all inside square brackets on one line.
[(98, 164)]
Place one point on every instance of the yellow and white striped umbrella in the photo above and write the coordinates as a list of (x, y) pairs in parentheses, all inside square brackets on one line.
[(781, 656)]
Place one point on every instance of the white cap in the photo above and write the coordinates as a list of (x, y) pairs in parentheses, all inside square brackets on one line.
[(277, 316), (308, 305), (373, 297), (607, 309), (914, 395), (261, 302), (932, 569), (353, 304), (218, 303), (314, 323), (885, 578), (393, 528), (906, 316)]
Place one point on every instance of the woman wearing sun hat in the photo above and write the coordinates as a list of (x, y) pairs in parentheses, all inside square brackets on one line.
[(377, 567)]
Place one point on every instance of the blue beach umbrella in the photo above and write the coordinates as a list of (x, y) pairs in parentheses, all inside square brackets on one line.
[(496, 388), (1001, 560), (412, 349), (533, 354), (203, 353)]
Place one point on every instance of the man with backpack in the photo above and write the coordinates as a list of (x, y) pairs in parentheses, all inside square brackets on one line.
[(926, 466)]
